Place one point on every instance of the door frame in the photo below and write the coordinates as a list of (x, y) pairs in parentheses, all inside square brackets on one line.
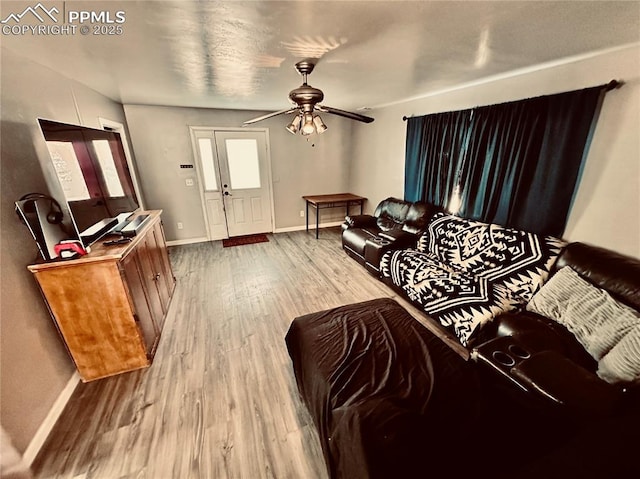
[(116, 126), (198, 167)]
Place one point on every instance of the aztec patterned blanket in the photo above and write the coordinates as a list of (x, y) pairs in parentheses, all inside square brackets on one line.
[(464, 272)]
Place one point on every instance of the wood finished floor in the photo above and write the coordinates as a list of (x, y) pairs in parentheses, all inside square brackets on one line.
[(220, 399)]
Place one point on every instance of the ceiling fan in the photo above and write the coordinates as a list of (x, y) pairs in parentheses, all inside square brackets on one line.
[(306, 100)]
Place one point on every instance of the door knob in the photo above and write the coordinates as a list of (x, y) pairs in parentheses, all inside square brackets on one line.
[(226, 193)]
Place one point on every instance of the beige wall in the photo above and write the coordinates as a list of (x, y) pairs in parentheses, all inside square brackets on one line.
[(161, 141), (34, 366), (605, 211)]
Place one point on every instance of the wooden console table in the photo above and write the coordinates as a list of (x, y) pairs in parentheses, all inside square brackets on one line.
[(110, 305), (320, 202)]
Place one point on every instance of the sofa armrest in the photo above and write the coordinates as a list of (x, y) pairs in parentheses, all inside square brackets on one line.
[(567, 384), (359, 221), (539, 333)]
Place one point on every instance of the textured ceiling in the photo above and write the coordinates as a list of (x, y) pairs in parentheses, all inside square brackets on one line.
[(241, 54)]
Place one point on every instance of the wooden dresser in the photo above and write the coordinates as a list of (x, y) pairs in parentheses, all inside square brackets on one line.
[(110, 305)]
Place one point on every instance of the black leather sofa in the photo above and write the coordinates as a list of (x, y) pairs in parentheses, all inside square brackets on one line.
[(390, 399), (394, 224), (549, 362), (532, 353), (528, 404), (537, 367)]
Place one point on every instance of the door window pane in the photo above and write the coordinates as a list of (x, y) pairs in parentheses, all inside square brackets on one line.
[(206, 159), (244, 167)]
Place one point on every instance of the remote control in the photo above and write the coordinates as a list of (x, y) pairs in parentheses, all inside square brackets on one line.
[(116, 241)]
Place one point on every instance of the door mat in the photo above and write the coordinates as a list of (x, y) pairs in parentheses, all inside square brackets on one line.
[(240, 240)]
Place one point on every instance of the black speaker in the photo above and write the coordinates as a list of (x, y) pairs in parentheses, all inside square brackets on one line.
[(54, 215)]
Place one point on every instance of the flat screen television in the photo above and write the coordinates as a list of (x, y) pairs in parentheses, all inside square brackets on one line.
[(92, 169)]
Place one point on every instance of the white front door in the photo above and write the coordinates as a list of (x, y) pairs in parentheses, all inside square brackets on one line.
[(245, 181), (235, 181)]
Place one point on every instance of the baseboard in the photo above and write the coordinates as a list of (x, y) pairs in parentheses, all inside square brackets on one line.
[(187, 241), (311, 227), (45, 428), (277, 230)]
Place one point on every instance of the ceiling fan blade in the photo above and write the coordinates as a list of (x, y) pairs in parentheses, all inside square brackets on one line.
[(346, 114), (270, 115)]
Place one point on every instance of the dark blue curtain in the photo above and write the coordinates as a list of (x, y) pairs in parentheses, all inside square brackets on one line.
[(569, 122), (503, 149), (517, 164), (434, 148)]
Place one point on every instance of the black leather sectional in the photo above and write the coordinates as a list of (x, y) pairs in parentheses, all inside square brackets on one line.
[(527, 400)]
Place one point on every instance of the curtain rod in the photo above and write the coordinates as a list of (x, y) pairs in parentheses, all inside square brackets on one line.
[(612, 85)]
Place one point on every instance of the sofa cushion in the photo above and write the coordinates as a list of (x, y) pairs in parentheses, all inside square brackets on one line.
[(598, 321), (391, 213), (402, 237), (521, 259), (386, 223), (459, 301), (622, 363), (418, 217)]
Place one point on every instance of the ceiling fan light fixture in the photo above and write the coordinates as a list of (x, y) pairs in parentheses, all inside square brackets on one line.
[(319, 124), (307, 126), (294, 126), (306, 100)]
